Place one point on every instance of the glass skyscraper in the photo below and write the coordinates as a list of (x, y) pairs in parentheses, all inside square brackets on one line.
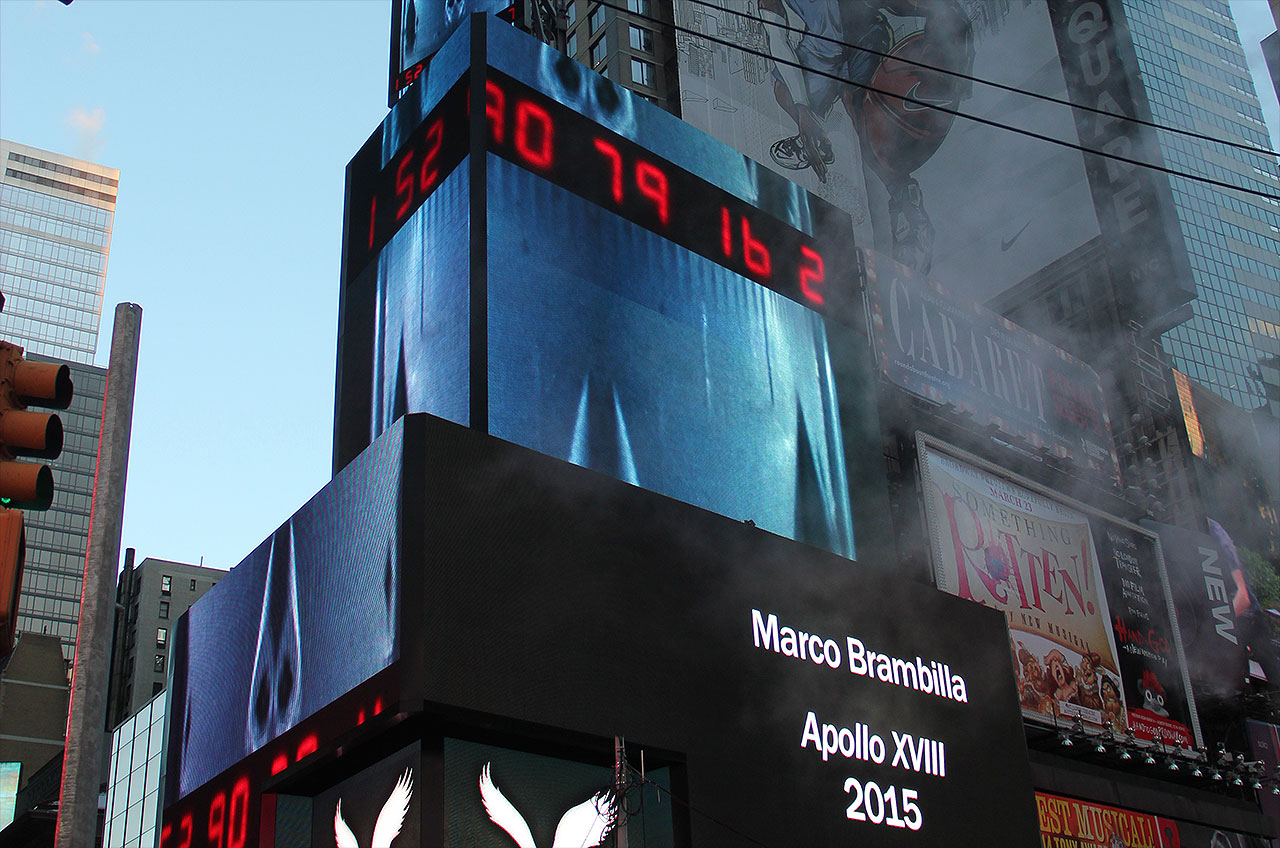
[(1196, 78), (55, 230)]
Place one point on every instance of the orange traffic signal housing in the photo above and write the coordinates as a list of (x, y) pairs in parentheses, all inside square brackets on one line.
[(12, 554), (26, 485)]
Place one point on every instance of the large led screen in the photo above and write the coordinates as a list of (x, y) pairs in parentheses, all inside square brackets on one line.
[(612, 288), (496, 797), (802, 700), (1204, 587), (379, 805), (307, 616), (420, 27), (659, 367), (1091, 622)]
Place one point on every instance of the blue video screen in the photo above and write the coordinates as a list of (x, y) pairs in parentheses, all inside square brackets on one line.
[(638, 358), (310, 614)]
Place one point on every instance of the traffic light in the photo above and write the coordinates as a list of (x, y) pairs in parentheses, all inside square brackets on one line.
[(13, 549), (28, 485)]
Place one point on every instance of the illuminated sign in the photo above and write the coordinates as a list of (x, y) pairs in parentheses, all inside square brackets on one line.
[(802, 709), (420, 27), (956, 352), (1090, 614), (533, 131), (773, 681), (1073, 823), (228, 811), (307, 616), (533, 252)]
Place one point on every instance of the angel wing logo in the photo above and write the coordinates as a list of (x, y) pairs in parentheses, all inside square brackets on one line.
[(583, 826), (390, 818)]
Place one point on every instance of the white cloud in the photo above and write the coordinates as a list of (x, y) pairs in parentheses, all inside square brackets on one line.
[(89, 44), (87, 127)]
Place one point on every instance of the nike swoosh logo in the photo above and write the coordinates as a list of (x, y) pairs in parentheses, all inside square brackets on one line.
[(908, 106), (1005, 245)]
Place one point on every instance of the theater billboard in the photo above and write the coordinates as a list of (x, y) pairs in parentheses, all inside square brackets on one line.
[(1091, 619)]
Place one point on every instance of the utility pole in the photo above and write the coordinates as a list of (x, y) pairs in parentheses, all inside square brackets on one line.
[(82, 762), (620, 791)]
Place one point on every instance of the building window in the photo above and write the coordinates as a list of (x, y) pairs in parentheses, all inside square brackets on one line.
[(596, 19), (158, 687), (638, 7), (160, 662), (162, 637), (166, 584), (573, 44), (641, 39), (193, 584), (164, 609), (571, 15), (599, 51), (641, 72)]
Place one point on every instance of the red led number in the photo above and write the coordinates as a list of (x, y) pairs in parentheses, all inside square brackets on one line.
[(428, 173), (407, 189), (754, 254), (812, 275), (611, 153), (650, 181), (184, 832), (495, 105), (404, 185), (535, 135), (228, 826), (653, 185)]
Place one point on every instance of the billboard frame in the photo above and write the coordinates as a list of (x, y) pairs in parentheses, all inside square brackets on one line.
[(925, 440)]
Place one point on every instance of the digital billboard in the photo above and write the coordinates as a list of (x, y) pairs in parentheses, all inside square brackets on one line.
[(837, 96), (953, 351), (420, 27), (774, 689), (307, 616), (800, 698), (1091, 621), (1073, 823), (379, 805), (496, 796), (1204, 589), (588, 276)]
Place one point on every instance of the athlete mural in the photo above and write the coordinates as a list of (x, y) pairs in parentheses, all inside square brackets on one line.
[(819, 45), (855, 100)]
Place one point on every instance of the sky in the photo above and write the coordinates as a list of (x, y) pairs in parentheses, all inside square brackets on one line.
[(231, 123)]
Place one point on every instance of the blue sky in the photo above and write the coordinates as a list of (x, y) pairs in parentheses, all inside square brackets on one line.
[(231, 123)]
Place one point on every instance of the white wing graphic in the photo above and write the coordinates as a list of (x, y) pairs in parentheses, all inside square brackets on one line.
[(342, 834), (503, 814), (391, 817), (586, 825)]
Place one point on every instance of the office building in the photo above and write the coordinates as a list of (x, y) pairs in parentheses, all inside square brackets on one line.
[(133, 791), (149, 599), (56, 214), (33, 705), (631, 48), (1196, 78)]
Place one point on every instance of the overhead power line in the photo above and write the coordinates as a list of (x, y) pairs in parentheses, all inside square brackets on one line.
[(955, 112), (1048, 98)]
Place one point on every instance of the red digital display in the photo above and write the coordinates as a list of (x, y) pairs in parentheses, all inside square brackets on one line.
[(531, 130), (226, 812)]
